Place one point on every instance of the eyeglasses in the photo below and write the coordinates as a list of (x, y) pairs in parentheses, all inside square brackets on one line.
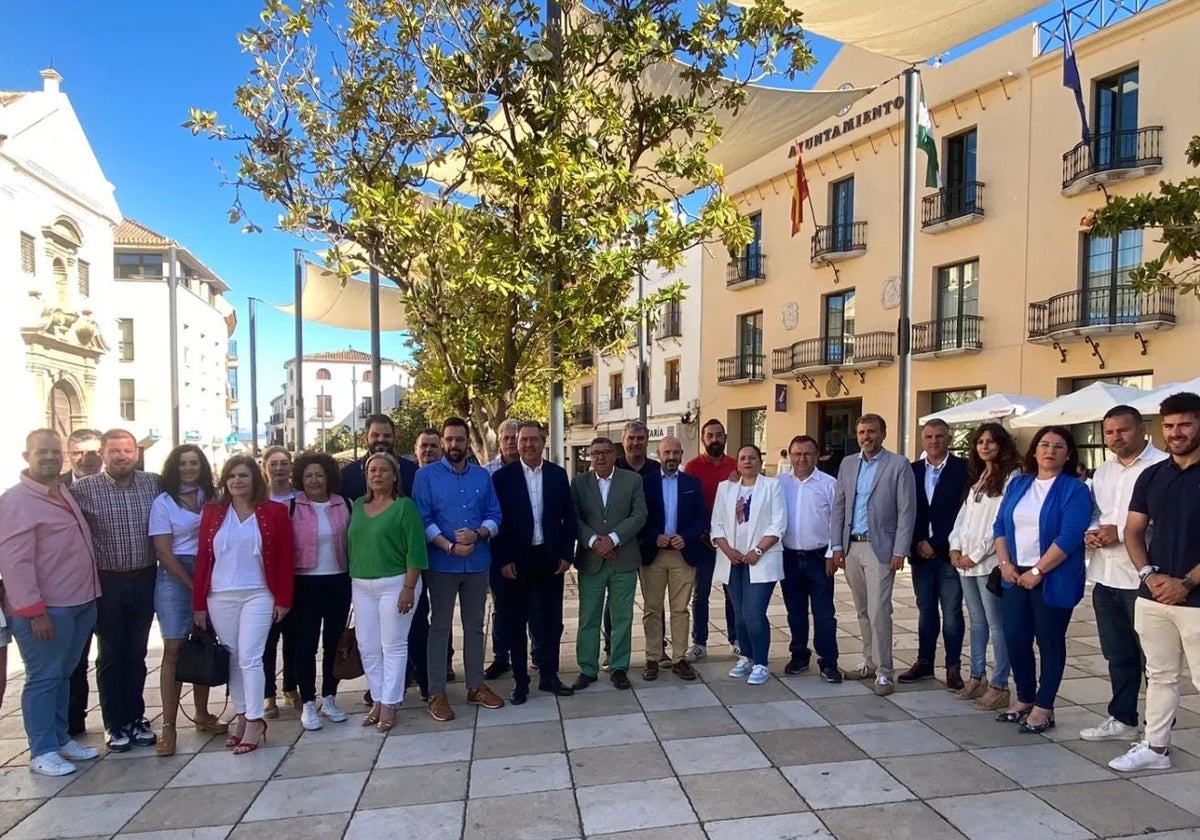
[(603, 453), (1047, 446)]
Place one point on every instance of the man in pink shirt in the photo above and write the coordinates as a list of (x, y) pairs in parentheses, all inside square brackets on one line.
[(49, 571)]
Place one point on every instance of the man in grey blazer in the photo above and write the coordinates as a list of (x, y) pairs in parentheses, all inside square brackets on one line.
[(874, 511), (611, 509)]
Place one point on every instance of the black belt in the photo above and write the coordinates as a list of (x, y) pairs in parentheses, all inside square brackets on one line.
[(136, 574), (860, 538)]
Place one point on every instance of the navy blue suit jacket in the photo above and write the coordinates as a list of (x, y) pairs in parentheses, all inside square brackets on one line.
[(354, 480), (947, 499), (513, 543), (692, 520)]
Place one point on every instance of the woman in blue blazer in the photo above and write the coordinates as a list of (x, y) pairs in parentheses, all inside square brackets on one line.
[(1039, 540)]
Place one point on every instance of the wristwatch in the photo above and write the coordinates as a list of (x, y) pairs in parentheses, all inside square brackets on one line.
[(1188, 583), (1146, 571), (1035, 571), (757, 551)]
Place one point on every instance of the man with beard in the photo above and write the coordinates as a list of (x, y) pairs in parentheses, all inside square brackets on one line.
[(83, 452), (1167, 614), (461, 514), (379, 435), (116, 504), (712, 467), (634, 443)]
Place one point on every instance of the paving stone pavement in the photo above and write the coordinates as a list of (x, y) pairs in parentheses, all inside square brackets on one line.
[(669, 760)]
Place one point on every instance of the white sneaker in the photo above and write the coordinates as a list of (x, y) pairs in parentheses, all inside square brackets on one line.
[(697, 653), (329, 708), (759, 674), (51, 764), (309, 718), (75, 751), (742, 668), (1110, 729), (883, 685), (1141, 757)]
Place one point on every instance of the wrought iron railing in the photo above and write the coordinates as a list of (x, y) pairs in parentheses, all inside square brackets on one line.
[(751, 266), (961, 332), (1113, 150), (1110, 306), (964, 199), (670, 325), (746, 366), (834, 351), (583, 414), (839, 238)]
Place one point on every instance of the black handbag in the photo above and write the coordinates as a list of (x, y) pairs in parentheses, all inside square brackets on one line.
[(203, 660), (995, 583)]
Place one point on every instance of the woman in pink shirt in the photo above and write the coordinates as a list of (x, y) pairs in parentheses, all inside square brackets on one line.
[(49, 570)]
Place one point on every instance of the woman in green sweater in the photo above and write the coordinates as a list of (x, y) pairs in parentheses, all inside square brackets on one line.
[(387, 554)]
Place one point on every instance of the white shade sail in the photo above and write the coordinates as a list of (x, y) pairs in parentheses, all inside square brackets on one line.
[(991, 407), (907, 30), (1148, 403), (329, 300), (1087, 405)]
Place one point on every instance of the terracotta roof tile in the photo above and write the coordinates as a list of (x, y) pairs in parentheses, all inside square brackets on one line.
[(8, 97), (130, 232), (350, 356)]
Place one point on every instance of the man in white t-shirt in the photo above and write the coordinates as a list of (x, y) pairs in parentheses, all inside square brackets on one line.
[(1110, 569)]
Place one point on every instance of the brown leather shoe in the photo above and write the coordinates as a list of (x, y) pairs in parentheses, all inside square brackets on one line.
[(684, 670), (650, 672), (484, 696), (954, 680), (919, 671), (439, 708)]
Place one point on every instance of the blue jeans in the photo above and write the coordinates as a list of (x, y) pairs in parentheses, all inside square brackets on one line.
[(938, 588), (987, 621), (1027, 619), (805, 579), (700, 595), (48, 668), (750, 612)]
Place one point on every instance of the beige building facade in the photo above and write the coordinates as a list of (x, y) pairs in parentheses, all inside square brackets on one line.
[(1011, 292)]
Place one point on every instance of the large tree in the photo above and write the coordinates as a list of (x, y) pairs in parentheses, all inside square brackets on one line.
[(510, 177), (1175, 211)]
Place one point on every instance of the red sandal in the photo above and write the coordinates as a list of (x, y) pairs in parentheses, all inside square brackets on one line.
[(245, 746)]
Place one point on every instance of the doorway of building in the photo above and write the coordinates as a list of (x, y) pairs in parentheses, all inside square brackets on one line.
[(836, 423), (63, 408)]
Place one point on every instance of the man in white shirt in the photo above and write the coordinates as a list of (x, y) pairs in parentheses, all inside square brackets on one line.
[(1110, 569), (807, 568)]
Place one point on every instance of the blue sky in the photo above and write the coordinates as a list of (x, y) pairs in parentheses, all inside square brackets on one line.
[(132, 69)]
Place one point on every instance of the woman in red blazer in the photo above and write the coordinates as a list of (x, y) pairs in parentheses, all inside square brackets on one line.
[(243, 581)]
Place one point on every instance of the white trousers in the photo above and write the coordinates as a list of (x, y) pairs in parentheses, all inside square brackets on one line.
[(382, 633), (242, 620), (1169, 634)]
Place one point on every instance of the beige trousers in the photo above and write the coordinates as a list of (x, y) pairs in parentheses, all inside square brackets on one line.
[(871, 585), (1168, 634), (669, 573)]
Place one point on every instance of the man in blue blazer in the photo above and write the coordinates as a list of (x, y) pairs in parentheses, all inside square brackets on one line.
[(671, 547), (532, 553), (941, 478)]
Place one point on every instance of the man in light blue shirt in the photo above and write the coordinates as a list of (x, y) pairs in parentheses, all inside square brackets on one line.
[(461, 513)]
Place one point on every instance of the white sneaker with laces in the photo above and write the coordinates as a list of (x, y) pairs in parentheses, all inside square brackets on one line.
[(75, 751), (1141, 757), (759, 674), (309, 718), (1110, 729), (51, 764), (329, 708), (742, 668), (697, 653)]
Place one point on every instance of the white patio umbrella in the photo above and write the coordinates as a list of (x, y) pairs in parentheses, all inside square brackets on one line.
[(991, 407), (1149, 402), (1087, 405)]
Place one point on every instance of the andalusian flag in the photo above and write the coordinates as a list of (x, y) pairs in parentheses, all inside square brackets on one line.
[(928, 143)]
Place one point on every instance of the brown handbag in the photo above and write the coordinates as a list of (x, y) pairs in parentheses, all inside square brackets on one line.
[(347, 661)]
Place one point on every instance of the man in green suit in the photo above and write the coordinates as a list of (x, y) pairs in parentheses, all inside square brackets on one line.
[(611, 508)]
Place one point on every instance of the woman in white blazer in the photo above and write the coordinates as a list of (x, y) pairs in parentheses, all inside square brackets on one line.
[(749, 517)]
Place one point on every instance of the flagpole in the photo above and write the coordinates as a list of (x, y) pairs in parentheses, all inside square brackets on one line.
[(908, 247)]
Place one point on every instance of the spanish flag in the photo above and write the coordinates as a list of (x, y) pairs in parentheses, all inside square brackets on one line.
[(799, 194)]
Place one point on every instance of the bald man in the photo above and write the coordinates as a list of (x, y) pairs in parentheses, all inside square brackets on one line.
[(671, 547)]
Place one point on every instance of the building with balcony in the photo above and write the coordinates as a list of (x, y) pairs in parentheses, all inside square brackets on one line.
[(1010, 293), (608, 394), (146, 265), (57, 214), (336, 391)]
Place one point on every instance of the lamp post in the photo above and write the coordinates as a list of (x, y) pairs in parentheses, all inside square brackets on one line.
[(254, 372)]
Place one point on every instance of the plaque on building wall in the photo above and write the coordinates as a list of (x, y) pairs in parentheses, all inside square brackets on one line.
[(889, 298), (791, 315), (780, 397)]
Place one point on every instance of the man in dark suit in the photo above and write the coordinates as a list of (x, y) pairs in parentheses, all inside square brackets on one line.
[(940, 478), (532, 553), (379, 435), (83, 453), (611, 508), (676, 520)]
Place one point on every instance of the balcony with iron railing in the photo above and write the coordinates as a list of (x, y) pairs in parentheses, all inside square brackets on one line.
[(748, 269), (951, 336), (951, 207), (1112, 156), (1111, 309), (583, 414), (670, 325), (820, 355), (736, 370), (276, 418), (671, 393), (231, 353), (838, 242)]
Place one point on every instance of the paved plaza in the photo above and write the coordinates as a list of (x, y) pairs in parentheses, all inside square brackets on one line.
[(669, 760)]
